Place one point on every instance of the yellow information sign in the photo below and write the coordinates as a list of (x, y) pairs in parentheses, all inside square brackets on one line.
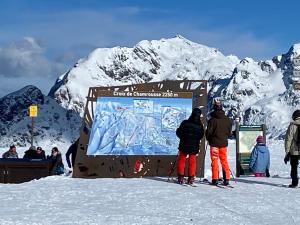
[(33, 111)]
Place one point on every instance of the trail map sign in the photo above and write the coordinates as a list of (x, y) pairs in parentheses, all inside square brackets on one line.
[(127, 123), (129, 131), (246, 140)]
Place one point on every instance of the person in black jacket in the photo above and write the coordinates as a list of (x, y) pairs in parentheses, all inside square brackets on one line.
[(72, 151), (190, 132), (217, 134), (31, 153), (40, 153), (57, 166)]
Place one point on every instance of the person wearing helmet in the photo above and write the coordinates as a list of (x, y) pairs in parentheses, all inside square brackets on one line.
[(217, 133), (292, 147)]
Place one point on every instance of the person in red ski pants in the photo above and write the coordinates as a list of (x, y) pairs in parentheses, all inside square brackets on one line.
[(190, 132)]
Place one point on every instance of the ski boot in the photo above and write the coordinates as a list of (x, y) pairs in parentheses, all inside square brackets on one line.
[(292, 186), (190, 180), (180, 179), (214, 182), (226, 182)]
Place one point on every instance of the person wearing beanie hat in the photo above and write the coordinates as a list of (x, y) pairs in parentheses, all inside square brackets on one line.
[(217, 133), (260, 139), (292, 147), (190, 132), (260, 158), (31, 153)]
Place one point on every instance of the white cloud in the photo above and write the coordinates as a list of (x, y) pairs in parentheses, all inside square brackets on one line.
[(24, 62), (70, 35)]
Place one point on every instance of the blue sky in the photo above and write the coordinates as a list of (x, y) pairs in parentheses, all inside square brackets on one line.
[(56, 33)]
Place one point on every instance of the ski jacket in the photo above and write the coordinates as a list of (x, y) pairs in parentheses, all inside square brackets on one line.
[(190, 135), (290, 142), (218, 129), (10, 155), (30, 154), (41, 155), (57, 167), (260, 159)]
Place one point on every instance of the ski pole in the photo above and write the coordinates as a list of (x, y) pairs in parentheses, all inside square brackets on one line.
[(173, 167), (232, 175)]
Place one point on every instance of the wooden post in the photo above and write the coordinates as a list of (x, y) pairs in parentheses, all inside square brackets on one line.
[(237, 161), (33, 111), (32, 130)]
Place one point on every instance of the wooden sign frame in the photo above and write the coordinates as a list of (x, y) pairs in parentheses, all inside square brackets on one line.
[(124, 165), (242, 159)]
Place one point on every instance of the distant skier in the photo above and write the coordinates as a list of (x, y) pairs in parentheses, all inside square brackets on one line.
[(190, 132), (260, 158), (217, 134), (11, 153), (292, 147), (72, 151)]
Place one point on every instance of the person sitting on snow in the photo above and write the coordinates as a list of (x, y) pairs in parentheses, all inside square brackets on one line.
[(190, 132), (11, 153), (260, 158), (57, 167)]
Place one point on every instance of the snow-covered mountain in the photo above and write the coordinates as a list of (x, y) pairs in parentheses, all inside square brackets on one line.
[(255, 91), (175, 58), (54, 124)]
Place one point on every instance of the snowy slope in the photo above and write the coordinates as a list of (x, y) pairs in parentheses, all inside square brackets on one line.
[(255, 91), (54, 125), (64, 200)]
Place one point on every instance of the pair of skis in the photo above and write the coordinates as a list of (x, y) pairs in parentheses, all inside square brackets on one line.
[(219, 185), (204, 181)]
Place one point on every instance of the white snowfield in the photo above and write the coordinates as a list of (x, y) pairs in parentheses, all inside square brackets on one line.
[(65, 200)]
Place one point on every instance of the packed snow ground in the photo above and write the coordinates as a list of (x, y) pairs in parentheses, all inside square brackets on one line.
[(65, 200)]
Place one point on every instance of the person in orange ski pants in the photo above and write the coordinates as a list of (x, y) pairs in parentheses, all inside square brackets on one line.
[(217, 133), (216, 154)]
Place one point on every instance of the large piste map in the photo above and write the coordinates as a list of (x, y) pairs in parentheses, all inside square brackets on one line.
[(137, 126)]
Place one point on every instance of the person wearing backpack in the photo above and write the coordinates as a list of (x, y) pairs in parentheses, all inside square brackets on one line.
[(190, 132), (292, 147)]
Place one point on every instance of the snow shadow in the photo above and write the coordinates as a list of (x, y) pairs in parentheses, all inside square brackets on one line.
[(258, 182)]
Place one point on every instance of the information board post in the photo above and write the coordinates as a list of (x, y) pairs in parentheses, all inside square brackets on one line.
[(33, 111)]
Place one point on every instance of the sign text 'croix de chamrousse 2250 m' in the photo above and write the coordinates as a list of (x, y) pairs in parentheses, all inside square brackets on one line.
[(138, 123)]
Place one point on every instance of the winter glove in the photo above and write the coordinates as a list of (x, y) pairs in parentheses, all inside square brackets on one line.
[(267, 173), (286, 158)]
